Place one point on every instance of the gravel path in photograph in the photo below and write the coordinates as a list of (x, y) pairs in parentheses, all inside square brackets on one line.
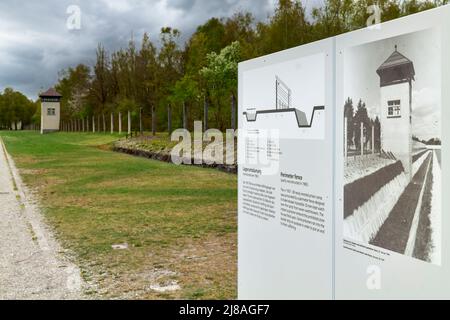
[(32, 264)]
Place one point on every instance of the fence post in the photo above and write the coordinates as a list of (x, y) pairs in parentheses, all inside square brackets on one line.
[(205, 113), (233, 112), (373, 139), (153, 120), (140, 120), (120, 122), (169, 118), (112, 123), (345, 141), (362, 139), (129, 122), (184, 116)]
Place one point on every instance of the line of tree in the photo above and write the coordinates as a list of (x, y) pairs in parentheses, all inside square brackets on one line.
[(16, 110), (354, 119), (165, 85), (431, 141)]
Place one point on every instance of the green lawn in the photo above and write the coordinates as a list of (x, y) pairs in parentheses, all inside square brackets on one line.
[(179, 221)]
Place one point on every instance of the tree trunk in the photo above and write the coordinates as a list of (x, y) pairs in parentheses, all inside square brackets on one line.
[(104, 123), (112, 123), (93, 124), (99, 129), (233, 111), (153, 120), (169, 119), (120, 122), (184, 115), (205, 113)]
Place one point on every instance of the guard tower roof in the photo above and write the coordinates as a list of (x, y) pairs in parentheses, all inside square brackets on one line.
[(50, 93), (396, 69)]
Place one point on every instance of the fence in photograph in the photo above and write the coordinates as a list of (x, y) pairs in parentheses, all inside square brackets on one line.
[(283, 95), (367, 146)]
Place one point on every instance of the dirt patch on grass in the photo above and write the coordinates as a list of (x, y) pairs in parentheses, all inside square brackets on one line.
[(193, 269), (33, 171), (105, 147)]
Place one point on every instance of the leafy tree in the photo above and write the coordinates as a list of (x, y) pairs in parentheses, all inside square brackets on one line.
[(74, 85), (288, 27), (348, 115), (185, 92), (221, 76), (361, 116), (99, 88), (202, 74), (15, 109), (377, 137)]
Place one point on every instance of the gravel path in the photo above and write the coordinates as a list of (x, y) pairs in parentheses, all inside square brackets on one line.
[(32, 264)]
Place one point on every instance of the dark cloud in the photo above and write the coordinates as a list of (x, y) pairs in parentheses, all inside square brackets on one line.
[(35, 43)]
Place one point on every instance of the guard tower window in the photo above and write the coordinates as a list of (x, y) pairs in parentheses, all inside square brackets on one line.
[(394, 109), (51, 111)]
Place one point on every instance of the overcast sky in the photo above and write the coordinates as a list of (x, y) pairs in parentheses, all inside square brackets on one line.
[(35, 43)]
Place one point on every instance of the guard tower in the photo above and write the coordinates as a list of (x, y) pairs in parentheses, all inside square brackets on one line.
[(50, 111), (396, 76)]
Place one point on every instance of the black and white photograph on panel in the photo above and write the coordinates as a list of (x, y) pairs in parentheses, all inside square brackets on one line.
[(392, 144)]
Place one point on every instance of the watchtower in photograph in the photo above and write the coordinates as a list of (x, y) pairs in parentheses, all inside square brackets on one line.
[(50, 110), (396, 77)]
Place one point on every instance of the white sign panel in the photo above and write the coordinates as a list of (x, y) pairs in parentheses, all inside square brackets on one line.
[(285, 208), (341, 182), (391, 218)]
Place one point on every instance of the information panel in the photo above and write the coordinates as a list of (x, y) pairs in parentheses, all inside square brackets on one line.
[(392, 223), (341, 176), (285, 208)]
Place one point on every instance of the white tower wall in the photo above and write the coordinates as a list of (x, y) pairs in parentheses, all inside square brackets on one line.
[(396, 135), (49, 121)]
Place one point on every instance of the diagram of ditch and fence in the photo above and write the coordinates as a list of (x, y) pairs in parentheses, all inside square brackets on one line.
[(392, 145), (275, 98)]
